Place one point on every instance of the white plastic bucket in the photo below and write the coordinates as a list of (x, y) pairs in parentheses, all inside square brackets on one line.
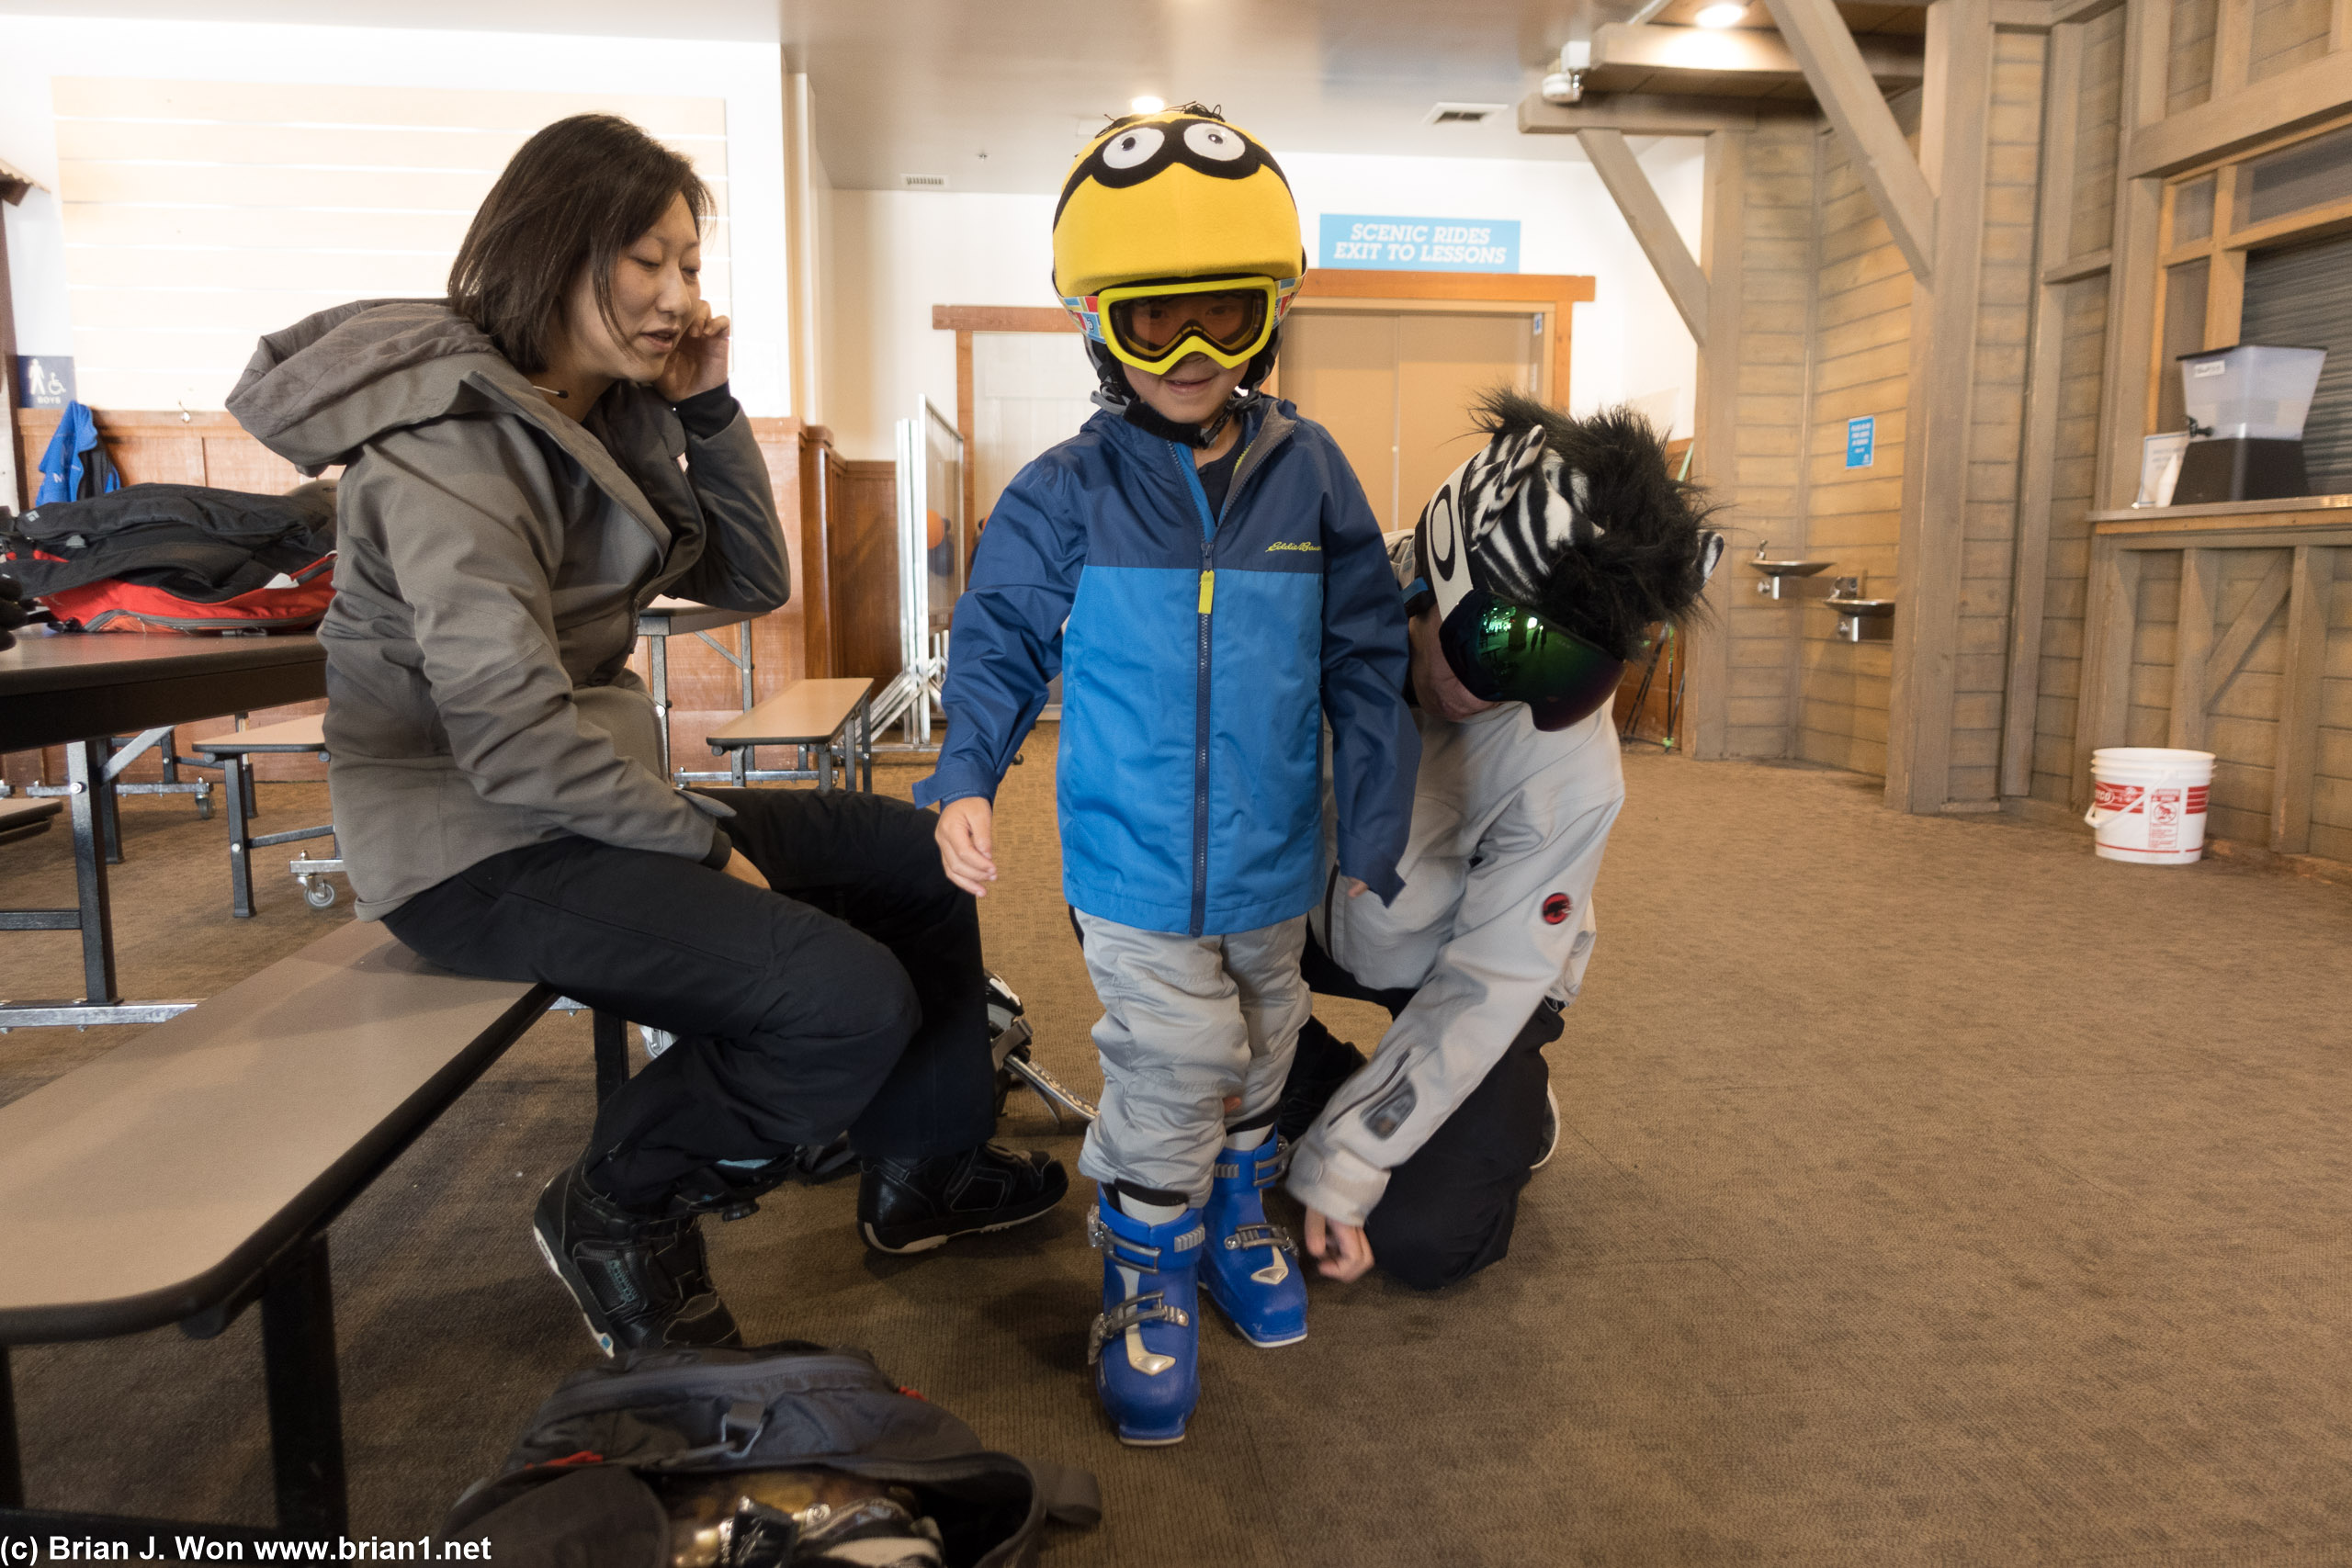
[(2148, 802)]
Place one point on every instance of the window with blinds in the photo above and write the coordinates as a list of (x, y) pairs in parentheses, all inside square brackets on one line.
[(200, 215), (2300, 296)]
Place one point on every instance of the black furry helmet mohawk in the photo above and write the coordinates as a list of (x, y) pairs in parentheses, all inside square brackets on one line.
[(1635, 550)]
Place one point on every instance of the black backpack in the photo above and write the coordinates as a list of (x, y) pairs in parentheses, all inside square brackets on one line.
[(571, 1493)]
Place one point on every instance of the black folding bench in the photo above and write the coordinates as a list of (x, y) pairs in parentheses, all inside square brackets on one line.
[(184, 1176)]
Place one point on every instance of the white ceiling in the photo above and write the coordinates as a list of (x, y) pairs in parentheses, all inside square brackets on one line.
[(929, 86), (926, 87)]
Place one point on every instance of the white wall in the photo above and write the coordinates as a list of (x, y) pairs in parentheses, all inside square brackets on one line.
[(894, 254), (747, 76)]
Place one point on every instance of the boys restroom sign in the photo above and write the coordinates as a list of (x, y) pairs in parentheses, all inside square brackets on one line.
[(1419, 245)]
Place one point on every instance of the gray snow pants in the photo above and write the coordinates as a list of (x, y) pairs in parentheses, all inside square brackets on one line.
[(1187, 1021)]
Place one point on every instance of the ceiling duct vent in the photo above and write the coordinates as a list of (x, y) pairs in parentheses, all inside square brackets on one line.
[(923, 182), (1462, 114)]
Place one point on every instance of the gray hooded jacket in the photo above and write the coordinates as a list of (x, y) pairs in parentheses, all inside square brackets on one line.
[(493, 558)]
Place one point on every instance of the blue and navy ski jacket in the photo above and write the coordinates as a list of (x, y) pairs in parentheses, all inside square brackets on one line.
[(1199, 655)]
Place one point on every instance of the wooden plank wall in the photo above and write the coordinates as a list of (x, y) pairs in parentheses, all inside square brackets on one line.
[(2286, 33), (2189, 74), (212, 449), (1766, 491), (2082, 360), (2004, 319), (1861, 350), (2331, 789)]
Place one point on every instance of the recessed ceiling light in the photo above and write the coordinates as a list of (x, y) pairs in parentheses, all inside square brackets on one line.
[(1730, 14), (1146, 104)]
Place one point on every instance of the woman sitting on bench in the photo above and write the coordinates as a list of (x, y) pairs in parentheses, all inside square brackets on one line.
[(530, 461)]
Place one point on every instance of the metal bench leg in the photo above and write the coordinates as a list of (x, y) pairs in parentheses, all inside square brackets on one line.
[(108, 804), (11, 1469), (305, 1396), (611, 1033), (86, 776), (237, 784)]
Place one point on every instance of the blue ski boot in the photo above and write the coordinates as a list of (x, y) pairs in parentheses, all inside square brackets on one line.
[(1251, 1270), (1146, 1347)]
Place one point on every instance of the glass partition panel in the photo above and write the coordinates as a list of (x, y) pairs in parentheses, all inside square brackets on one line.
[(2310, 174)]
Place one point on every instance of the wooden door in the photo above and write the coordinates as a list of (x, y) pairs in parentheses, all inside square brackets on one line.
[(1395, 388)]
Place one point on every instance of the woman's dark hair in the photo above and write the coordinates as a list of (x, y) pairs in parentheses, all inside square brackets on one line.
[(574, 195)]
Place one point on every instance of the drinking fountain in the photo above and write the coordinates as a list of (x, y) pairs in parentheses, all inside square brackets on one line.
[(1860, 619), (1777, 572)]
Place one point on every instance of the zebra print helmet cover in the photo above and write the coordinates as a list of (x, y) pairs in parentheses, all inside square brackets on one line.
[(1580, 520)]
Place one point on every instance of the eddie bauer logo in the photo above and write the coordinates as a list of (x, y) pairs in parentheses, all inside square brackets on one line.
[(1290, 545)]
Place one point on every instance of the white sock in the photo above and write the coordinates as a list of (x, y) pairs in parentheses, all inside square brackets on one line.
[(1149, 1214), (1250, 1138)]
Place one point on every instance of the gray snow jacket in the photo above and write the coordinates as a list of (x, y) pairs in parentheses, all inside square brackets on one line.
[(1509, 826), (493, 557)]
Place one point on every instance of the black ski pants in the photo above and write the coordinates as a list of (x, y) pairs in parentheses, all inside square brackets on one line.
[(851, 996), (1449, 1209)]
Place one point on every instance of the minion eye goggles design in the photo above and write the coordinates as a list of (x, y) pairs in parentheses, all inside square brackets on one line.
[(1153, 326)]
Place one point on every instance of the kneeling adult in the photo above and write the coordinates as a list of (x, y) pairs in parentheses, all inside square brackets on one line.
[(1529, 582), (531, 462)]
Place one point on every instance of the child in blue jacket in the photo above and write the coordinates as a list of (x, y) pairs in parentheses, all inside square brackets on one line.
[(1200, 566)]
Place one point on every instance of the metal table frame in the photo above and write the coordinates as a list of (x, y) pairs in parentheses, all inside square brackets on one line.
[(856, 754), (121, 684), (666, 618)]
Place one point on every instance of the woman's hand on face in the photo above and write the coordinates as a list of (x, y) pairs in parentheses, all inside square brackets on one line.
[(699, 362)]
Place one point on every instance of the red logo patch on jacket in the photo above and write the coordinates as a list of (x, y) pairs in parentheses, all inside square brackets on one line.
[(1556, 908)]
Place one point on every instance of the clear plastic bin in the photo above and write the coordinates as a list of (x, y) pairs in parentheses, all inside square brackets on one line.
[(2252, 392)]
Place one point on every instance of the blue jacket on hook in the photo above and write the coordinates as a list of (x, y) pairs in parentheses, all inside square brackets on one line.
[(1199, 654)]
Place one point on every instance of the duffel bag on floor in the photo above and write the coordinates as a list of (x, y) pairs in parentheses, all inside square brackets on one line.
[(789, 1456)]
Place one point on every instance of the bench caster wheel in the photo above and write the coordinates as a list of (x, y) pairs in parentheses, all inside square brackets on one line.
[(204, 808), (318, 892)]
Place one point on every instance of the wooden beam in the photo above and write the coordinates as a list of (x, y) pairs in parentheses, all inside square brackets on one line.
[(1722, 240), (1646, 215), (2230, 651), (2022, 15), (2293, 776), (2233, 41), (2038, 458), (1945, 305), (2131, 292), (2309, 92), (1892, 60), (2088, 265), (1000, 319), (2108, 622), (2339, 27), (1833, 65), (967, 414), (1645, 114), (2192, 647), (2063, 11)]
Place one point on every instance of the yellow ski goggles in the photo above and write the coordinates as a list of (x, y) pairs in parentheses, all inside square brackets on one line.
[(1153, 326)]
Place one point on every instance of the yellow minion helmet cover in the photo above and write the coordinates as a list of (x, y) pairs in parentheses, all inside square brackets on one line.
[(1181, 194)]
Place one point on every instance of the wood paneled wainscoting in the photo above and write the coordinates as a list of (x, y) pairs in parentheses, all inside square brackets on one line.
[(829, 528), (2224, 628)]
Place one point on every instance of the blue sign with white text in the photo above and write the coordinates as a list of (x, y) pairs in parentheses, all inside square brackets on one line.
[(1861, 441), (1420, 244)]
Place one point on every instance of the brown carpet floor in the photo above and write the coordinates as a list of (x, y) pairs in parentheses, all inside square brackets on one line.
[(1932, 1192)]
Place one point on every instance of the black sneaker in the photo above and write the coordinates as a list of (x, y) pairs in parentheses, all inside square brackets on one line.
[(915, 1205), (1322, 1063), (639, 1281)]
